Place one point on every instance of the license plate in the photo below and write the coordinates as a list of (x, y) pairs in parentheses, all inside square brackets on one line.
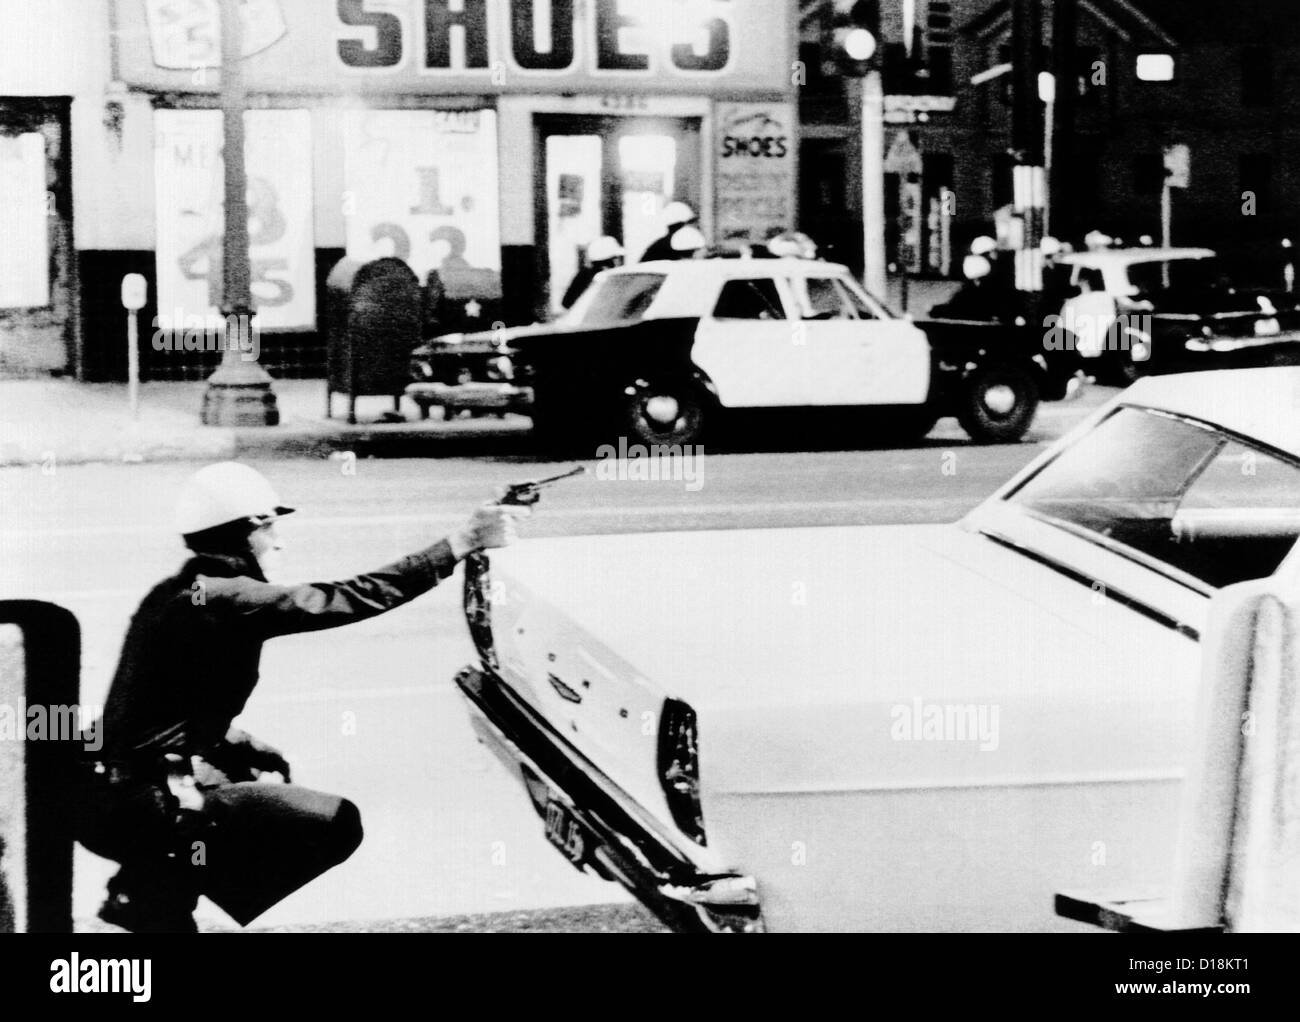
[(1267, 327), (565, 832)]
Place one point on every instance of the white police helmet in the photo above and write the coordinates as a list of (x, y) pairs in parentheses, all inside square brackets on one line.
[(1050, 246), (686, 239), (678, 213), (793, 244), (223, 493), (983, 245), (603, 249)]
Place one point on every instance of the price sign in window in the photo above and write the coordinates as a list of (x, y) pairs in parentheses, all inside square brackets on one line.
[(188, 175), (421, 185)]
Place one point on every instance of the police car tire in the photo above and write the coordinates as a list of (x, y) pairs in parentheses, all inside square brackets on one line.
[(689, 424), (985, 425)]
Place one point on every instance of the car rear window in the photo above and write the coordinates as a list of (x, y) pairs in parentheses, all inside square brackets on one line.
[(1176, 490), (616, 298)]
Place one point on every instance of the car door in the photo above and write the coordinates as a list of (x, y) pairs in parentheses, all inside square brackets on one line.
[(748, 345), (857, 354)]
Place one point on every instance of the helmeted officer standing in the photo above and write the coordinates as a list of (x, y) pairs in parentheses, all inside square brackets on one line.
[(677, 216), (602, 254), (177, 795)]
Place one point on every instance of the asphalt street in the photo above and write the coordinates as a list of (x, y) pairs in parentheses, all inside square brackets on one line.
[(370, 711)]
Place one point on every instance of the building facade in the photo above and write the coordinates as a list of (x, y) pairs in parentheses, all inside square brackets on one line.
[(487, 140)]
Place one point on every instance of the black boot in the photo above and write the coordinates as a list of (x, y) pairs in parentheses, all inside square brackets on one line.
[(149, 904)]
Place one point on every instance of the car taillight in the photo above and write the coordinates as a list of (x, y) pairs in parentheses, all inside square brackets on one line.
[(679, 768), (478, 607)]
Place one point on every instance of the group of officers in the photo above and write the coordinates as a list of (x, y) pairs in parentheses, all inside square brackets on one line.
[(682, 239), (989, 291)]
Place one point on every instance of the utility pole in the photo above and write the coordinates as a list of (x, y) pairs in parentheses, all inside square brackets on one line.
[(1064, 68), (239, 393), (851, 47), (1027, 140), (873, 185)]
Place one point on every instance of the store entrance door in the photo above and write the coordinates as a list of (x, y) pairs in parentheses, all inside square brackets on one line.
[(607, 175)]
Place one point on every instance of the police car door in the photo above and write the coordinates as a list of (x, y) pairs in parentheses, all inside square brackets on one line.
[(747, 344), (857, 353)]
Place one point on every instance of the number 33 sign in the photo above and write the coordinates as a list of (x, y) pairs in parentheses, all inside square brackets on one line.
[(188, 176)]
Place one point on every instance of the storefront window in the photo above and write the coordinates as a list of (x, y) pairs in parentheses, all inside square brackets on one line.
[(573, 213), (24, 222), (648, 164)]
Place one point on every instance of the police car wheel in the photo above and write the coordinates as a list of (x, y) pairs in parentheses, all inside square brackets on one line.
[(665, 412), (997, 404)]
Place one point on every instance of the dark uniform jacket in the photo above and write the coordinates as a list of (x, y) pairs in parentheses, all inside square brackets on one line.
[(190, 658), (662, 248)]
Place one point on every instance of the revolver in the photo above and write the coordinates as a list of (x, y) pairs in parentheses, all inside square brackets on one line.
[(524, 495), (527, 494)]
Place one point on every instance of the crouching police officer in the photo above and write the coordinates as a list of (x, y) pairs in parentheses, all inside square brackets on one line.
[(177, 796)]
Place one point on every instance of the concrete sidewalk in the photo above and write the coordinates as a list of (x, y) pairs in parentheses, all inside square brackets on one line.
[(47, 422), (50, 421)]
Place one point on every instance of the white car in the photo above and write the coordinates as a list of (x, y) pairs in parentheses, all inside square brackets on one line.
[(1136, 311), (659, 351), (953, 722)]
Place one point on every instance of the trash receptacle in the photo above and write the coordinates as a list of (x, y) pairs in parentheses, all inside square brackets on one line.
[(373, 316)]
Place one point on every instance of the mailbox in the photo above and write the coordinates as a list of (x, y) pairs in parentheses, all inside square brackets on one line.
[(373, 315)]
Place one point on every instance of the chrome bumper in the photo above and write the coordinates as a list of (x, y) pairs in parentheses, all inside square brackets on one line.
[(1221, 345), (497, 396), (630, 847)]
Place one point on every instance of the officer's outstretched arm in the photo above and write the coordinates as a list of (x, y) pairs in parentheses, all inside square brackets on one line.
[(270, 610)]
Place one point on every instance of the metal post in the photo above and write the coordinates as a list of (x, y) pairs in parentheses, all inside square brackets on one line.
[(133, 362), (239, 393), (1166, 226), (1061, 201), (1027, 138), (873, 185), (1048, 150)]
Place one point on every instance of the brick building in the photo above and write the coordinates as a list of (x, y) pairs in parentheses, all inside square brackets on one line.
[(1231, 99)]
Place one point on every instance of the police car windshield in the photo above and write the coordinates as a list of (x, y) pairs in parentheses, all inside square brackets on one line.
[(615, 298)]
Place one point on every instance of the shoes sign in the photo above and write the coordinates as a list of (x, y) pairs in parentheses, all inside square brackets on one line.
[(465, 46)]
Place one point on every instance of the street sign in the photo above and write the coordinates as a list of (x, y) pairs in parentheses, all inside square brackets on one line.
[(1178, 165)]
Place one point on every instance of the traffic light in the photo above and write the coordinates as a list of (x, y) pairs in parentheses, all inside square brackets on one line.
[(852, 41)]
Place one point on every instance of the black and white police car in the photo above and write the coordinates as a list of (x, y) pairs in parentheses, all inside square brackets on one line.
[(659, 351)]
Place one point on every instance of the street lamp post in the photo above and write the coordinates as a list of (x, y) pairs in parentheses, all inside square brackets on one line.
[(873, 184), (239, 393)]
